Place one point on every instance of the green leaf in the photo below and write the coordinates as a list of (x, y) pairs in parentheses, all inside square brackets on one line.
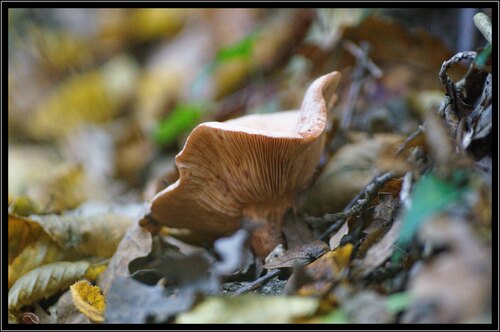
[(182, 118), (398, 302), (483, 56), (430, 196), (337, 316), (241, 49)]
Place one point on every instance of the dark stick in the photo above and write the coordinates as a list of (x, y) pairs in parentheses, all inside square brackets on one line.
[(258, 282)]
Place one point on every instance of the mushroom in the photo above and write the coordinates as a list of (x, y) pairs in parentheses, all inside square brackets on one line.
[(247, 170)]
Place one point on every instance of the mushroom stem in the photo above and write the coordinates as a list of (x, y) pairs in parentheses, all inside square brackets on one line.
[(266, 221)]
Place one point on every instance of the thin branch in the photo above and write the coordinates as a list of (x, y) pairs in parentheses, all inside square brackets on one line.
[(362, 63), (460, 56), (257, 283)]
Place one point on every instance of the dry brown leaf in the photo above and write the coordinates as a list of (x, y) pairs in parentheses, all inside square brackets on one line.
[(136, 243), (44, 281), (89, 300), (347, 173), (298, 256), (457, 283), (64, 311), (378, 253), (395, 50)]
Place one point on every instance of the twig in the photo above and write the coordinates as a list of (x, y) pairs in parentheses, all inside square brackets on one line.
[(257, 283), (410, 138), (483, 23), (361, 54), (357, 205), (460, 56)]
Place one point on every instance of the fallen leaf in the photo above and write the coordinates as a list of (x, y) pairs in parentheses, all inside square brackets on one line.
[(44, 281), (234, 253), (75, 100), (21, 233), (89, 300), (180, 120), (346, 174), (378, 252), (130, 301), (95, 271), (326, 271), (250, 308), (28, 165), (42, 251), (430, 196), (135, 243), (65, 312), (454, 286), (367, 306), (298, 256), (82, 229)]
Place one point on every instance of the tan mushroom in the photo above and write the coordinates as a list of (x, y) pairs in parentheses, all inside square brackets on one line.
[(248, 169)]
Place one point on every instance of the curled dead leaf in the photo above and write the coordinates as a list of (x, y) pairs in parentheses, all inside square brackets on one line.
[(89, 300)]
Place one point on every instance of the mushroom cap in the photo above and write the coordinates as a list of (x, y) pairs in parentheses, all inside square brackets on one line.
[(252, 162)]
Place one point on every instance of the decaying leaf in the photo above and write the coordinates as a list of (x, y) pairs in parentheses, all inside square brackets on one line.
[(89, 300), (234, 253), (28, 165), (455, 285), (45, 281), (65, 312), (349, 171), (21, 233), (92, 229), (95, 271), (299, 256), (140, 25), (378, 252), (135, 243), (42, 251), (75, 101), (367, 307), (65, 187), (325, 271), (130, 301), (250, 308)]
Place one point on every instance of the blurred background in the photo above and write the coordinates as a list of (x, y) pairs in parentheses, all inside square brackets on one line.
[(101, 100)]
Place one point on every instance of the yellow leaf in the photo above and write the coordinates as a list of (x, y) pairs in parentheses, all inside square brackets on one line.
[(21, 233), (44, 281), (326, 271), (91, 233), (250, 308), (94, 271), (64, 188), (76, 99), (89, 300), (41, 252)]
